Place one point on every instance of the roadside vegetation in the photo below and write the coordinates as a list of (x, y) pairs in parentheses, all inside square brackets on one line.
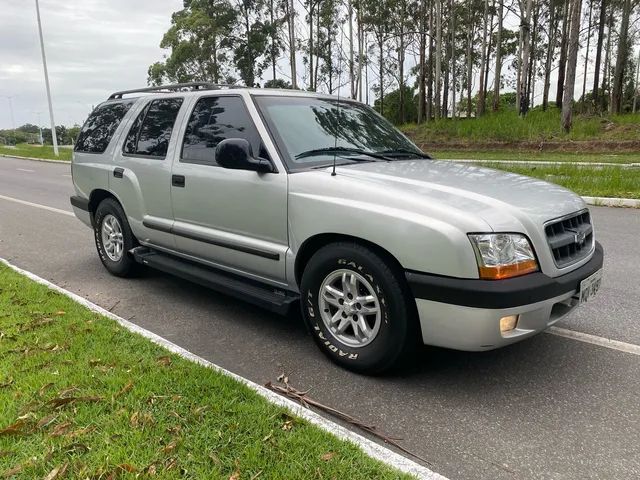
[(590, 181), (538, 127), (35, 151), (81, 397)]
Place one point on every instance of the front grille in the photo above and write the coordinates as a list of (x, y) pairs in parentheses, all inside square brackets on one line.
[(570, 238)]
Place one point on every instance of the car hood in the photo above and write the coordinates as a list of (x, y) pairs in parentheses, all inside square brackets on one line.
[(502, 199)]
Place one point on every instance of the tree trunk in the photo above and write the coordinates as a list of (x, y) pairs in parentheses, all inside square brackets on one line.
[(497, 79), (421, 62), (586, 58), (562, 63), (360, 50), (572, 60), (606, 77), (596, 73), (551, 47), (480, 107), (311, 6), (438, 55), (469, 61), (401, 53), (523, 99), (292, 42), (621, 59), (635, 86), (429, 104), (381, 70), (453, 59), (352, 72)]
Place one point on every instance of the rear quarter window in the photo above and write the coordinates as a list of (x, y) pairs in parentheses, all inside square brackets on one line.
[(99, 128)]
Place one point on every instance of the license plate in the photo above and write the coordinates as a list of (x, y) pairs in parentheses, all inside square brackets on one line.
[(589, 286)]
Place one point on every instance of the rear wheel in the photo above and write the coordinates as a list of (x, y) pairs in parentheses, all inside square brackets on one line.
[(114, 238), (357, 308)]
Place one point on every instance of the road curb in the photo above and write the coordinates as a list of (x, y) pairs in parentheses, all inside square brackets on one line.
[(612, 202), (369, 447), (543, 162), (34, 159)]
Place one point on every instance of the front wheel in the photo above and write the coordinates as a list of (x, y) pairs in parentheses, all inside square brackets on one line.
[(357, 308)]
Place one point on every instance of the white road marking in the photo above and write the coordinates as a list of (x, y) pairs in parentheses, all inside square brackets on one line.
[(371, 448), (25, 170), (572, 334), (595, 340), (37, 205)]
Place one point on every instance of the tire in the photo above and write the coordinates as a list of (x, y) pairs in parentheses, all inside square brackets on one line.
[(393, 331), (117, 261)]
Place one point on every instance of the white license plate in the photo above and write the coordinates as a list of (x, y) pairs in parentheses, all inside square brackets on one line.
[(589, 286)]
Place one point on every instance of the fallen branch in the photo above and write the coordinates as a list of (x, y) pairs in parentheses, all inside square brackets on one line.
[(306, 401)]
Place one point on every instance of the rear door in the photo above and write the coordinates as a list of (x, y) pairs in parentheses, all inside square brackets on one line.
[(234, 219), (141, 176)]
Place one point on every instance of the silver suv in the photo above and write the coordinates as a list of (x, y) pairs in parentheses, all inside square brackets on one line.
[(286, 198)]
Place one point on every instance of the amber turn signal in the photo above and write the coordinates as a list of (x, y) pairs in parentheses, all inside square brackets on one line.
[(500, 272)]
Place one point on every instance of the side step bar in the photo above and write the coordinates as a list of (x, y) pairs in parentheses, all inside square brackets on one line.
[(265, 296)]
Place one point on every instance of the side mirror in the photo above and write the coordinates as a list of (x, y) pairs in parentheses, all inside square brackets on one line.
[(236, 153)]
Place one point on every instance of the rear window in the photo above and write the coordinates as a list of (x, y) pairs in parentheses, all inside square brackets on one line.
[(150, 133), (97, 131)]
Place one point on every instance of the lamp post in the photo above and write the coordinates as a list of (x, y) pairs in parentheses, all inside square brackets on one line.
[(39, 128), (13, 120), (46, 81)]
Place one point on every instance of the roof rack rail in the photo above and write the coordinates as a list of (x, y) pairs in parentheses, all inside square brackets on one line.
[(176, 87)]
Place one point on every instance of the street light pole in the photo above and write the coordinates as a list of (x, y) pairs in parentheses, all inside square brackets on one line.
[(46, 81), (13, 120)]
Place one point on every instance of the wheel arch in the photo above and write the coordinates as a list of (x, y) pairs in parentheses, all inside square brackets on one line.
[(96, 197), (312, 244)]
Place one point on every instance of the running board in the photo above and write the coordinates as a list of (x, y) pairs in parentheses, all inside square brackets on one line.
[(276, 300)]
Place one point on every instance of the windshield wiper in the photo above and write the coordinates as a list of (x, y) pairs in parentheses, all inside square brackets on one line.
[(330, 150), (399, 152)]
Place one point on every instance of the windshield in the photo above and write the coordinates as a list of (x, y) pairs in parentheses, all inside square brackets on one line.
[(310, 131)]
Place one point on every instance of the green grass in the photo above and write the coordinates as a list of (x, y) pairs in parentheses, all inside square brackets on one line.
[(589, 181), (537, 126), (86, 396), (518, 155), (36, 151)]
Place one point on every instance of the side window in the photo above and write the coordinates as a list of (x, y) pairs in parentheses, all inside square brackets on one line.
[(214, 119), (150, 133), (97, 131)]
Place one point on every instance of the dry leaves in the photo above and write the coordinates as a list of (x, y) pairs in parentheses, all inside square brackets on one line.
[(18, 428), (327, 456), (127, 388), (62, 401), (57, 472), (165, 360), (141, 419)]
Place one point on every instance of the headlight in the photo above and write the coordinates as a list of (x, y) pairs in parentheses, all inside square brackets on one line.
[(503, 255)]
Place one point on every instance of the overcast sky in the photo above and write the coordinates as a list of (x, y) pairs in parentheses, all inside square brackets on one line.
[(93, 47)]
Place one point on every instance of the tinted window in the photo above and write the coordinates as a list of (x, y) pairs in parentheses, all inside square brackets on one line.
[(97, 131), (214, 119), (151, 131)]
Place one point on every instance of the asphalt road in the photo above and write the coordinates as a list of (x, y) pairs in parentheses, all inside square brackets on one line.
[(549, 407)]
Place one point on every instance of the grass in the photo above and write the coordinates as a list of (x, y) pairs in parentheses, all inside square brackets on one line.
[(537, 126), (589, 181), (36, 151), (518, 155), (82, 396)]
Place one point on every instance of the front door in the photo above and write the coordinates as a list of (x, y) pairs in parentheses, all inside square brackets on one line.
[(234, 219)]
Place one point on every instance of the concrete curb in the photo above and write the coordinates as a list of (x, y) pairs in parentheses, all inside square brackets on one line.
[(46, 160), (370, 448), (543, 162), (612, 202)]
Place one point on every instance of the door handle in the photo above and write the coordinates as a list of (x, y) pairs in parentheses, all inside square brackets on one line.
[(118, 172), (177, 180)]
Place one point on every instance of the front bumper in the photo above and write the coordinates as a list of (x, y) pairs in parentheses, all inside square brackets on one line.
[(464, 314)]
